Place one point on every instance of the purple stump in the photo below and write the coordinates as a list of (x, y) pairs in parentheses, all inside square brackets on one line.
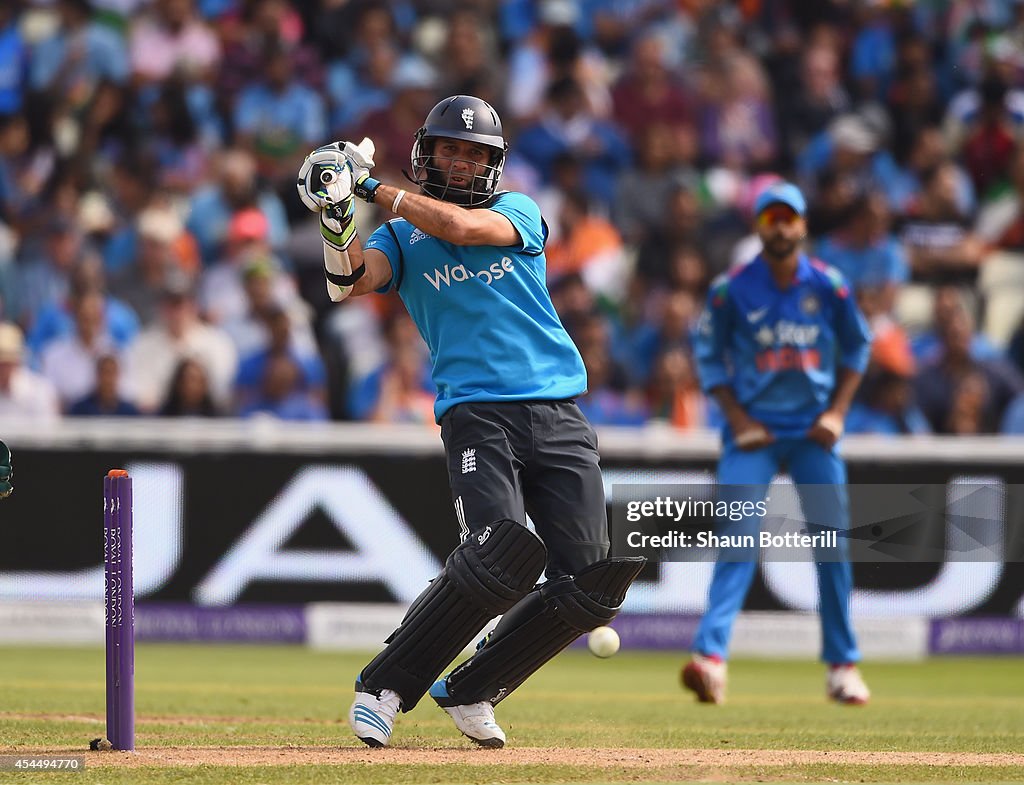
[(119, 602)]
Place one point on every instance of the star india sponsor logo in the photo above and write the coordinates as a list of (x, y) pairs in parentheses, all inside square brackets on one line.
[(449, 275), (787, 333)]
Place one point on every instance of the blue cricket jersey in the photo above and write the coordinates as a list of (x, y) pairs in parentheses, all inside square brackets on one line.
[(780, 349), (484, 311)]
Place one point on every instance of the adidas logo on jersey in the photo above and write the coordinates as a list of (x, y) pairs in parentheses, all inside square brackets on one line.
[(417, 235)]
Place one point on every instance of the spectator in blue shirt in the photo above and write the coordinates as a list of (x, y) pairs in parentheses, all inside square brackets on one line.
[(280, 118), (235, 188), (873, 56), (961, 394), (80, 55), (255, 370), (55, 318), (852, 148), (358, 89), (886, 408), (885, 402), (865, 250), (44, 270), (568, 125), (284, 394), (949, 305), (603, 404), (401, 343), (105, 400)]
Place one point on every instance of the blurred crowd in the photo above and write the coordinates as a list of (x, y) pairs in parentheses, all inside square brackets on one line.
[(154, 257)]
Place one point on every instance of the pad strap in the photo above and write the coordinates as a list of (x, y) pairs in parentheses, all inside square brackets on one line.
[(346, 280)]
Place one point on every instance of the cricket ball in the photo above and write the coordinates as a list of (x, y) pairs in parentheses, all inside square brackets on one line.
[(603, 642)]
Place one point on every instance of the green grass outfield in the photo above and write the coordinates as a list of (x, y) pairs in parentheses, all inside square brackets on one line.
[(224, 714)]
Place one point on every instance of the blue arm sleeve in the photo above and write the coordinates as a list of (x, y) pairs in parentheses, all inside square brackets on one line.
[(382, 240), (852, 331), (525, 216), (710, 341)]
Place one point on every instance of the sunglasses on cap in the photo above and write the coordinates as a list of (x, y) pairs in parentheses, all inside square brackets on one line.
[(777, 214)]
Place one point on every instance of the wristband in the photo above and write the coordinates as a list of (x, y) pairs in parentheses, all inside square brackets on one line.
[(366, 188), (398, 201)]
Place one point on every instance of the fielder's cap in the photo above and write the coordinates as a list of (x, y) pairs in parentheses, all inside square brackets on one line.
[(12, 343), (781, 193), (747, 197)]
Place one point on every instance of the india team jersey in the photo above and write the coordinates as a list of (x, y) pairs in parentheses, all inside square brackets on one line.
[(484, 311), (780, 349)]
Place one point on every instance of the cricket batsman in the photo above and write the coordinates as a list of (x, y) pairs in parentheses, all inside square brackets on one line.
[(6, 472), (782, 346), (468, 262)]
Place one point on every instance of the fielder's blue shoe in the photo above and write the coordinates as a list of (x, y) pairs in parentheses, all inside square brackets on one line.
[(372, 715), (474, 720)]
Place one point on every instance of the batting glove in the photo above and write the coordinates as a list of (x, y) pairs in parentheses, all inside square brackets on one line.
[(6, 472), (325, 177), (360, 160)]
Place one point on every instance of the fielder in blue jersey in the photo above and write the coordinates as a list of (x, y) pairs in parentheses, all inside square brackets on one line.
[(782, 347), (468, 262)]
